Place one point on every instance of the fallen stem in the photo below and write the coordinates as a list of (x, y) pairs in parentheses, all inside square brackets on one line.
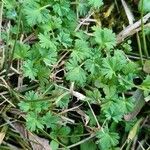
[(80, 142)]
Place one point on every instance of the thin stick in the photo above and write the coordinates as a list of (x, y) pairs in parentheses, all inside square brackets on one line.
[(117, 6), (140, 144), (94, 115), (74, 93), (80, 142), (128, 12), (70, 109), (8, 101), (82, 22), (3, 102), (63, 56)]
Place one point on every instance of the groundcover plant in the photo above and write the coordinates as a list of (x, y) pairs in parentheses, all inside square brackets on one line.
[(74, 74)]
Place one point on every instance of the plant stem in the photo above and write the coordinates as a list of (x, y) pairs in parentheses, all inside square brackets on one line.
[(143, 34), (45, 7), (48, 135), (139, 47), (13, 50), (80, 142), (94, 115), (117, 6), (1, 14)]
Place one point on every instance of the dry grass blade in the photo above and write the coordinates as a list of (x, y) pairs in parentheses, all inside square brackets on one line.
[(84, 116), (131, 29), (7, 100), (84, 20), (2, 134), (78, 95), (139, 103), (133, 131), (128, 11), (70, 109), (38, 143)]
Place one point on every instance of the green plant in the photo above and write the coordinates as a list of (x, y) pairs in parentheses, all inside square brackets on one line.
[(64, 58), (107, 139)]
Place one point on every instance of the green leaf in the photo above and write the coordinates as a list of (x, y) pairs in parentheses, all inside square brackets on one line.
[(64, 39), (29, 70), (33, 2), (116, 108), (10, 4), (25, 107), (93, 64), (94, 95), (146, 67), (130, 68), (105, 38), (82, 7), (21, 51), (46, 27), (95, 3), (110, 91), (81, 50), (31, 95), (109, 67), (146, 6), (39, 14), (43, 74), (61, 132), (126, 105), (62, 9), (88, 145), (126, 47), (107, 139), (126, 82), (121, 59), (146, 82), (54, 145), (129, 124), (56, 22), (34, 122), (63, 103), (78, 130), (112, 109), (35, 106), (50, 120), (47, 42), (92, 121), (49, 57), (75, 72), (64, 131), (70, 22)]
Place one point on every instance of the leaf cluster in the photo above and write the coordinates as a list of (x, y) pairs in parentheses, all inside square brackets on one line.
[(60, 54)]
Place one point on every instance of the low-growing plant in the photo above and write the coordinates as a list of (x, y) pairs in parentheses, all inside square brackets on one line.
[(62, 56)]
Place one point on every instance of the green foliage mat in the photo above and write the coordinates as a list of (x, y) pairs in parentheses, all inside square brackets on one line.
[(84, 95)]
